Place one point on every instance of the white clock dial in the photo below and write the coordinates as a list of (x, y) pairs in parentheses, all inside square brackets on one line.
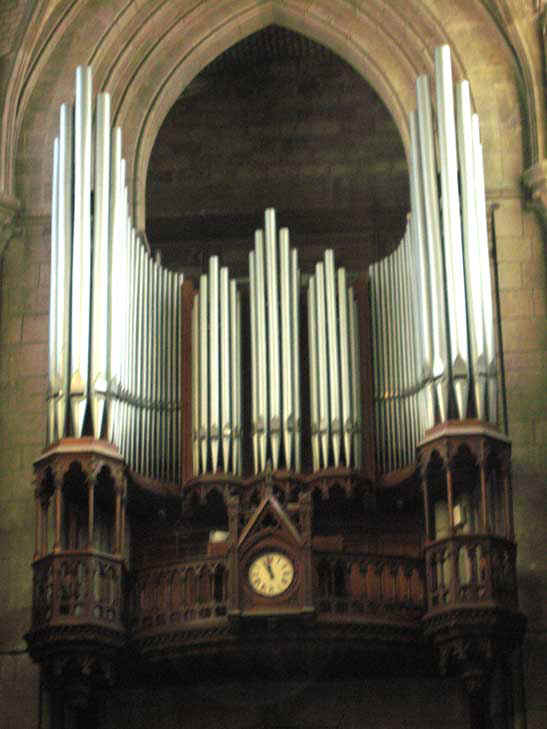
[(271, 574)]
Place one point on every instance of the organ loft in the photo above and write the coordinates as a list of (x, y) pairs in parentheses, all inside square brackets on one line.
[(295, 468)]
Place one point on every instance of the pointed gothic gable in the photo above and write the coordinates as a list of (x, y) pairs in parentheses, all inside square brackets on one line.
[(269, 518)]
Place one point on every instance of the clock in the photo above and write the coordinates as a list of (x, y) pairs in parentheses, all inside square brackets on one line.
[(271, 573)]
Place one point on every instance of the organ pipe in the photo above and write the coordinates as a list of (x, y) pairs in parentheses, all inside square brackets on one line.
[(451, 220), (101, 264), (81, 252)]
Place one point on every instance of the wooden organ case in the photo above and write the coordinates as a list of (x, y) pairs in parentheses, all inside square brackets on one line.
[(302, 470)]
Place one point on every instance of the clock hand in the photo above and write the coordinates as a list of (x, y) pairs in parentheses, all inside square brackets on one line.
[(269, 567)]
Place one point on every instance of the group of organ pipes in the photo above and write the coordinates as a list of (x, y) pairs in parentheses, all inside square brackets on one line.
[(114, 336), (117, 354)]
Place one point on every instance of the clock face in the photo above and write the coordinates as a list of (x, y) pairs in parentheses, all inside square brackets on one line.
[(271, 574)]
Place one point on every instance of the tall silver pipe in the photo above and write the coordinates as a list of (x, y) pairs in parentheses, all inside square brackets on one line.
[(322, 363), (471, 249), (195, 386), (373, 292), (113, 358), (452, 229), (179, 278), (272, 291), (254, 360), (394, 435), (411, 315), (81, 252), (64, 262), (155, 361), (356, 378), (421, 291), (295, 348), (203, 371), (101, 262), (434, 246), (380, 353), (214, 361), (235, 320), (382, 357), (486, 286), (333, 355), (346, 374), (286, 348), (226, 368), (146, 410), (399, 355), (313, 371), (164, 399), (262, 425), (170, 401), (54, 378)]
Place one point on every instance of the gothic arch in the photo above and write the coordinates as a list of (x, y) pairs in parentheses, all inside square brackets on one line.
[(145, 56)]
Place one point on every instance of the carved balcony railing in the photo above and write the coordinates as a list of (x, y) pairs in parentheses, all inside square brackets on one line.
[(358, 586), (78, 588), (472, 569), (179, 596)]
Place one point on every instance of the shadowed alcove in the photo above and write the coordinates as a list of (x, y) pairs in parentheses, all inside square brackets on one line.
[(278, 121)]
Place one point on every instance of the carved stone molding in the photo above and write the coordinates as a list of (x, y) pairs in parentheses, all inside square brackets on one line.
[(10, 221), (535, 181)]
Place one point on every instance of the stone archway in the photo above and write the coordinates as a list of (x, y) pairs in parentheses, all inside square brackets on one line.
[(144, 57)]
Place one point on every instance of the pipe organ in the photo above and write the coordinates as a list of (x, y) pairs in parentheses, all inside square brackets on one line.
[(116, 327), (433, 337), (293, 408)]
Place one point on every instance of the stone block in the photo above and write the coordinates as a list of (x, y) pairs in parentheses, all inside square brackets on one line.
[(508, 218), (32, 359), (516, 303), (513, 248), (509, 275), (35, 328), (524, 334), (533, 274), (539, 297), (12, 330)]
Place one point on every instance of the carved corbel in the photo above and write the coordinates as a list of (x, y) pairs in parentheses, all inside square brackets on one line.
[(535, 181), (10, 221)]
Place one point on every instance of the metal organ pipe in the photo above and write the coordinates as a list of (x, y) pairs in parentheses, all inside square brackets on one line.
[(81, 252), (452, 239), (101, 264), (486, 287), (53, 363)]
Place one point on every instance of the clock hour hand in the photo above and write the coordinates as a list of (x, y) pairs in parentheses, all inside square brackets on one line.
[(267, 562)]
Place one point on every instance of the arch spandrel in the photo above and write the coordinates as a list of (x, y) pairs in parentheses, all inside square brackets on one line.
[(145, 55)]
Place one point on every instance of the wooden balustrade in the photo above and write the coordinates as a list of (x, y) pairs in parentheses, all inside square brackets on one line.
[(471, 569), (180, 594), (76, 588), (369, 585)]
